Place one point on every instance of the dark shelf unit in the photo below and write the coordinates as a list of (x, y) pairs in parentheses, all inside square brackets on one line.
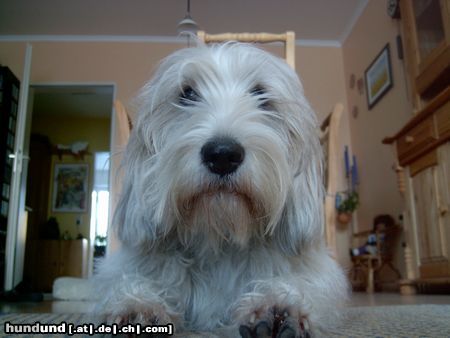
[(9, 103)]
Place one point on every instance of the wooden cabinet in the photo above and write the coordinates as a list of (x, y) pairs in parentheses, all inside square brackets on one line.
[(57, 258), (423, 151), (423, 144), (426, 36), (429, 205)]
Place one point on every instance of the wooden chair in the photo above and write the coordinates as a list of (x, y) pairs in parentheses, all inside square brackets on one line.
[(330, 142), (123, 126), (366, 267), (287, 38), (123, 121)]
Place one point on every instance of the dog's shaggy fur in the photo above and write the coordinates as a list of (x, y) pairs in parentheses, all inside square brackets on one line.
[(237, 244)]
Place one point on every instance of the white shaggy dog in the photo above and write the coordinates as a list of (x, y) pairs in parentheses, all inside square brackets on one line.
[(220, 217)]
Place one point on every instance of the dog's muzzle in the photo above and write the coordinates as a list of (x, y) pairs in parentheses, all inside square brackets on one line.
[(222, 156)]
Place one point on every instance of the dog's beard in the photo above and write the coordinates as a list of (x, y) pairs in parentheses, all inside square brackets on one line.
[(220, 215)]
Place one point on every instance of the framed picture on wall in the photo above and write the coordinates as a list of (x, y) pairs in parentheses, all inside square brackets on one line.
[(378, 77), (70, 187)]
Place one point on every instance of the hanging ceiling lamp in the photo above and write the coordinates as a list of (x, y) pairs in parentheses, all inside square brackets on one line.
[(187, 26)]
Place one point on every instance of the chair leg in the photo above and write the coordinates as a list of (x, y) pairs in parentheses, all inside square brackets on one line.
[(358, 275), (370, 273)]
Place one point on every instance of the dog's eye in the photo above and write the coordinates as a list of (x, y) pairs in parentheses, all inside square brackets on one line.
[(188, 96), (258, 90), (261, 95)]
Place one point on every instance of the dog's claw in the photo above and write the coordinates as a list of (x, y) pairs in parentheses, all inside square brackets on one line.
[(245, 332), (263, 330), (286, 331), (277, 323), (305, 334)]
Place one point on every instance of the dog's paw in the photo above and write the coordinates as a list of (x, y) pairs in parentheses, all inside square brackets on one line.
[(275, 324), (139, 314)]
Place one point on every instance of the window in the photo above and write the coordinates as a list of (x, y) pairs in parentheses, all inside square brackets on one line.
[(100, 198)]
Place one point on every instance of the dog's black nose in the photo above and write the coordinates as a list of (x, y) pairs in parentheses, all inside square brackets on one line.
[(222, 156)]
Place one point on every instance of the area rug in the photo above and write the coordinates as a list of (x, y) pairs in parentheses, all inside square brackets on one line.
[(396, 321), (381, 322)]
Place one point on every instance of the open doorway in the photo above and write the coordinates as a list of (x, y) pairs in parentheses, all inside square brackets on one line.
[(68, 179)]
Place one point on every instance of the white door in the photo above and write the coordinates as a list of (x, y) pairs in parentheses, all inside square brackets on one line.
[(17, 215)]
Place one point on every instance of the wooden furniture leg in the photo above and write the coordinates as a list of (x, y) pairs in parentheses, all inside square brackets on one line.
[(370, 273), (408, 286)]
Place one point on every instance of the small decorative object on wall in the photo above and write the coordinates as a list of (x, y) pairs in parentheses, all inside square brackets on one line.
[(355, 112), (352, 81), (70, 187), (360, 84), (393, 9), (378, 77)]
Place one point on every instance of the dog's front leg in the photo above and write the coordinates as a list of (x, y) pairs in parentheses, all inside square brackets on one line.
[(135, 300)]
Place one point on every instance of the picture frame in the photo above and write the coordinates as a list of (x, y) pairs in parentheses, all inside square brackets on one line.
[(70, 187), (378, 77)]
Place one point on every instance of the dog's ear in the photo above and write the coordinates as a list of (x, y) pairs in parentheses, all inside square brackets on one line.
[(303, 214), (301, 223), (132, 220)]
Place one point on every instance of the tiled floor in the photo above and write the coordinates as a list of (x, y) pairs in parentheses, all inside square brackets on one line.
[(357, 299)]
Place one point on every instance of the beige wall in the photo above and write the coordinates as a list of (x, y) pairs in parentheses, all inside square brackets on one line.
[(378, 185), (130, 65), (12, 54)]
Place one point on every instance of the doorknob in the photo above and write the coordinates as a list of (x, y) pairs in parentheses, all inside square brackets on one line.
[(17, 158), (25, 157)]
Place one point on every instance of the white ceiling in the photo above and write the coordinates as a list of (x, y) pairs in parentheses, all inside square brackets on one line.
[(312, 20)]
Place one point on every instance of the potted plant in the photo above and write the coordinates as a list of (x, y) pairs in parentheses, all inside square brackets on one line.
[(347, 206)]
